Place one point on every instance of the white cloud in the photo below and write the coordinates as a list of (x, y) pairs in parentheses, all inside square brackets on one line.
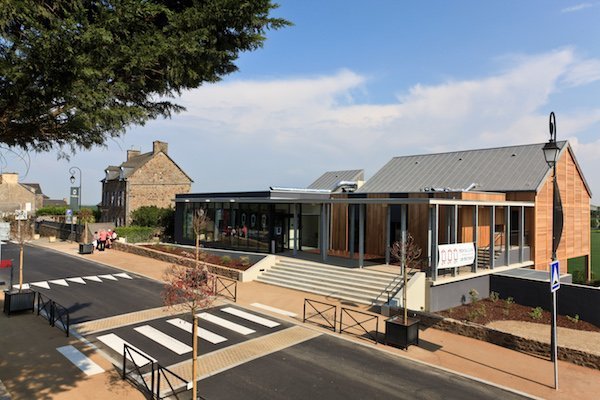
[(578, 7), (585, 72)]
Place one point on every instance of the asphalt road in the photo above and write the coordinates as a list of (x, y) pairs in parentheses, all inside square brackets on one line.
[(334, 369), (89, 301)]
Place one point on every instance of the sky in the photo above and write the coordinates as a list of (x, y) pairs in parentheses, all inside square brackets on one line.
[(354, 83)]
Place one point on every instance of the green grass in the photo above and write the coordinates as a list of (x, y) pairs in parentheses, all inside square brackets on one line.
[(577, 265)]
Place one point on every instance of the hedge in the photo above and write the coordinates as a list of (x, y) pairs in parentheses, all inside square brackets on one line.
[(135, 234)]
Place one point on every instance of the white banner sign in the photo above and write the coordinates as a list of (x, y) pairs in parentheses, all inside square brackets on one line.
[(455, 255)]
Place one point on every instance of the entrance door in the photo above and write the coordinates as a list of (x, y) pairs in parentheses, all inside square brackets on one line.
[(280, 232)]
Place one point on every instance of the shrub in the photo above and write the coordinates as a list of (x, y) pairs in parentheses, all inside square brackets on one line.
[(135, 234), (574, 319), (536, 313), (509, 302), (225, 260), (474, 295), (245, 260), (86, 215), (152, 216), (494, 296), (51, 210)]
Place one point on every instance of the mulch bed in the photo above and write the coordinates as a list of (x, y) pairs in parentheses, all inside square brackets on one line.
[(241, 263), (486, 311)]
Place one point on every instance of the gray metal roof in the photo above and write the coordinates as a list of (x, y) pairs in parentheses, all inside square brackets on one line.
[(330, 179), (503, 169)]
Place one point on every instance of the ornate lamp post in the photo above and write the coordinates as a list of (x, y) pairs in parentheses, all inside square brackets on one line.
[(75, 192), (551, 151)]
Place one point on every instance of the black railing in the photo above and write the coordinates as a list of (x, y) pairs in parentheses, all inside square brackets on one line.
[(53, 312), (359, 321), (137, 372), (175, 388), (225, 287), (321, 313)]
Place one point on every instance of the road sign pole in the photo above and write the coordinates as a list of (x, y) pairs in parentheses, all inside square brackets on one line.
[(554, 340)]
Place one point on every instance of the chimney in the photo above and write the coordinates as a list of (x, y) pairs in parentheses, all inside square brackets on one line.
[(9, 177), (158, 146), (132, 153)]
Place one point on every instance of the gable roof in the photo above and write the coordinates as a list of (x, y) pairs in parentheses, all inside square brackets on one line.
[(130, 166), (330, 179), (501, 169)]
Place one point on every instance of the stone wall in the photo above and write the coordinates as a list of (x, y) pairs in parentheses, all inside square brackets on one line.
[(156, 183), (174, 259), (507, 340)]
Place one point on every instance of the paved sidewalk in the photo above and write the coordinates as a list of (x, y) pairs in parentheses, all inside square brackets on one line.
[(481, 360)]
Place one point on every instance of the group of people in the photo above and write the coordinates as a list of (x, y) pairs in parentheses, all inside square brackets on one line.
[(103, 239)]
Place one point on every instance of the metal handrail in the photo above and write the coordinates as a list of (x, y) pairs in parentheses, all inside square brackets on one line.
[(361, 324), (320, 313), (224, 290), (161, 371), (127, 352)]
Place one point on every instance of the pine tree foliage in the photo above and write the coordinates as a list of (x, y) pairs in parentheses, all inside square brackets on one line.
[(74, 73)]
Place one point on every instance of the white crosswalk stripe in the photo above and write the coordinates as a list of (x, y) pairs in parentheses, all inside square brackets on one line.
[(117, 344), (24, 286), (108, 277), (123, 275), (163, 339), (202, 333), (42, 284), (80, 360), (61, 282), (77, 280), (225, 323), (92, 278), (250, 317)]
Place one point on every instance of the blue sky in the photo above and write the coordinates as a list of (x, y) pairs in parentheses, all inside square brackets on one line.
[(354, 83)]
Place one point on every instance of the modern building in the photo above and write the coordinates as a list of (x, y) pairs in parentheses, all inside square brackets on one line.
[(493, 204), (149, 179)]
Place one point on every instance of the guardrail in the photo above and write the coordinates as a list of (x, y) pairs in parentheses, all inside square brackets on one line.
[(359, 321), (174, 389), (139, 369), (321, 313), (223, 287), (53, 312)]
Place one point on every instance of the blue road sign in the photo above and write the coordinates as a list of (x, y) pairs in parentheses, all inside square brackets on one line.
[(554, 276)]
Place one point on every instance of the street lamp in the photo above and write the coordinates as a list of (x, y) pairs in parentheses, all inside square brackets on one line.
[(75, 193), (551, 151)]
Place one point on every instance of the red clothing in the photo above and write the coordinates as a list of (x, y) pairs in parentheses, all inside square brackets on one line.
[(102, 235)]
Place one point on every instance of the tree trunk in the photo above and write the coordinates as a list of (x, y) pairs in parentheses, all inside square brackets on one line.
[(195, 357), (197, 248), (21, 267)]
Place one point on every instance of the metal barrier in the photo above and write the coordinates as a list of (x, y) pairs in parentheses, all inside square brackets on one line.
[(53, 312), (320, 311), (136, 374), (359, 319), (174, 389), (223, 287)]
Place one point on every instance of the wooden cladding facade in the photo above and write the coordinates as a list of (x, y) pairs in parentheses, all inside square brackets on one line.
[(575, 240)]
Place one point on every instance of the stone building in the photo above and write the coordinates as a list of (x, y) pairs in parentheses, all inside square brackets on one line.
[(15, 195), (149, 179)]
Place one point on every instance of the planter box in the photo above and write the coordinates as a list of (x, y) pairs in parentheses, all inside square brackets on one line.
[(52, 239), (399, 334), (86, 248), (15, 301)]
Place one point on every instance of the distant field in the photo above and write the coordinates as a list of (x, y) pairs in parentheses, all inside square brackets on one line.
[(577, 266), (596, 255)]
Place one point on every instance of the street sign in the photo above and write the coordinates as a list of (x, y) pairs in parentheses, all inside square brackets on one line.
[(74, 199), (20, 215), (554, 276), (69, 216)]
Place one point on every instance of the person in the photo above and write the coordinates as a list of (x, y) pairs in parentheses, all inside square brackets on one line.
[(108, 238), (102, 239), (113, 237), (95, 241), (245, 230)]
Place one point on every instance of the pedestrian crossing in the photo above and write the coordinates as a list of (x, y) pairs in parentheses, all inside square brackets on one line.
[(81, 280), (168, 339)]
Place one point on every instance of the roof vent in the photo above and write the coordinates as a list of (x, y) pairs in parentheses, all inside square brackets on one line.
[(513, 155), (460, 159)]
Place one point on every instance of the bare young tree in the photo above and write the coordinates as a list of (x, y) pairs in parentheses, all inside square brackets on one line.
[(21, 231), (199, 223), (190, 289), (408, 254)]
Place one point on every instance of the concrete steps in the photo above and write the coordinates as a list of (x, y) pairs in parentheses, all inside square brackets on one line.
[(352, 284)]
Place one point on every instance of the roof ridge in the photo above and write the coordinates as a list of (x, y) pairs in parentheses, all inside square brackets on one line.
[(560, 143)]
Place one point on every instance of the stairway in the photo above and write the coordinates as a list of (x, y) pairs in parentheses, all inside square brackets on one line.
[(352, 284), (483, 256)]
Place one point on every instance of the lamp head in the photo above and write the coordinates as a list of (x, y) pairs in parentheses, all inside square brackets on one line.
[(551, 149), (72, 179)]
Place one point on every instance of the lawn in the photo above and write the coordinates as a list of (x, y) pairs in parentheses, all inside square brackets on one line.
[(577, 265)]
